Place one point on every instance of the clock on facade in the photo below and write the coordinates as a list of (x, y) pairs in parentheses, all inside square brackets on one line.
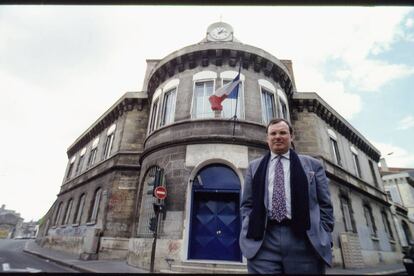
[(220, 31)]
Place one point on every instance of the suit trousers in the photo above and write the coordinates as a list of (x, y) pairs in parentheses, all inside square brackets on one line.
[(284, 252)]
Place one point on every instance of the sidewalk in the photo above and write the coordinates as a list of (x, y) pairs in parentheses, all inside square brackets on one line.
[(384, 269), (72, 261), (109, 266)]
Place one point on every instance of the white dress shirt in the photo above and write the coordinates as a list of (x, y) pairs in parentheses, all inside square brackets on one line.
[(271, 170)]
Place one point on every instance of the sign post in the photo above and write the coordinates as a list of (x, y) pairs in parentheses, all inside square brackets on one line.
[(160, 192)]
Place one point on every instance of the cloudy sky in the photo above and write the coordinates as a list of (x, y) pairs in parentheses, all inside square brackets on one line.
[(61, 67)]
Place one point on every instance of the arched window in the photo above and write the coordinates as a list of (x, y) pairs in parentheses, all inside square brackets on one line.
[(68, 211), (95, 205), (58, 214), (79, 209)]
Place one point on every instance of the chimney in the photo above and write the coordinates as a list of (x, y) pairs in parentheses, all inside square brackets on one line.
[(384, 166)]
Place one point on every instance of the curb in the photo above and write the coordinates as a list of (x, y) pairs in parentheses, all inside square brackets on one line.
[(72, 266)]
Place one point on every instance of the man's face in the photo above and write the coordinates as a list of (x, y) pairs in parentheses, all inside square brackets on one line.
[(279, 138)]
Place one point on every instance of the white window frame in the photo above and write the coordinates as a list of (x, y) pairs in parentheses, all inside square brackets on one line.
[(171, 115), (152, 124), (205, 115), (265, 119), (279, 97)]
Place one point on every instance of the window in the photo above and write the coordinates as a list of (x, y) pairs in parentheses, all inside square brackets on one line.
[(153, 122), (79, 210), (371, 167), (57, 216), (94, 149), (229, 105), (201, 105), (68, 211), (284, 110), (168, 107), (387, 225), (389, 195), (370, 220), (109, 141), (80, 162), (407, 232), (356, 162), (268, 105), (346, 212), (335, 150), (95, 205), (395, 194), (72, 161)]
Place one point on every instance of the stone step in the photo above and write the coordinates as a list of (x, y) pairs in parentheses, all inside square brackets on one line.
[(203, 268)]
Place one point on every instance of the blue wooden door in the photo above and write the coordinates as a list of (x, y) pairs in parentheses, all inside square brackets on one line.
[(215, 223)]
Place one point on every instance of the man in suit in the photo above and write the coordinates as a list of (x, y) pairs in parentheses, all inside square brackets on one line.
[(286, 209)]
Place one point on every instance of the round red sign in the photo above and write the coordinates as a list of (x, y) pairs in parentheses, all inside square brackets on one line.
[(160, 192)]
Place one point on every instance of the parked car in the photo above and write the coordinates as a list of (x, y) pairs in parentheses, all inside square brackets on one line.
[(408, 259)]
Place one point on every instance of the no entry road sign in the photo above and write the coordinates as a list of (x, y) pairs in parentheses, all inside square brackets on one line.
[(160, 192)]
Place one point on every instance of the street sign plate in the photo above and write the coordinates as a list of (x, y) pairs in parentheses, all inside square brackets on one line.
[(160, 192)]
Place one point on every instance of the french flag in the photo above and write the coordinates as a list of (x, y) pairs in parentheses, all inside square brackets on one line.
[(230, 90)]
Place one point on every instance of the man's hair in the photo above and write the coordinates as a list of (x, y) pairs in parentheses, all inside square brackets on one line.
[(278, 120)]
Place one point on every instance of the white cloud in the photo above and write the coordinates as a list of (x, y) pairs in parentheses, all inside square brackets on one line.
[(395, 156), (409, 23), (406, 122), (371, 75)]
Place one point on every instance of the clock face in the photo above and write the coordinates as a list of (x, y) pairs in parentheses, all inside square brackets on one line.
[(220, 33)]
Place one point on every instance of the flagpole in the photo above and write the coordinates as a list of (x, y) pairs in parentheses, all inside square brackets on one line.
[(237, 99)]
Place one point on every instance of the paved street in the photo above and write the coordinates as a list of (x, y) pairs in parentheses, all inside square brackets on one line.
[(13, 259)]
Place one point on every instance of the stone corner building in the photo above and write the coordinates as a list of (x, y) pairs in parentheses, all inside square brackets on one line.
[(105, 202)]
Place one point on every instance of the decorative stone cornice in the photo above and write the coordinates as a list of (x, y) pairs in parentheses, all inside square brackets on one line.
[(128, 102), (313, 103), (218, 54)]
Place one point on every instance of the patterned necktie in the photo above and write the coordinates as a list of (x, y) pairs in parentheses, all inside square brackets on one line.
[(278, 197)]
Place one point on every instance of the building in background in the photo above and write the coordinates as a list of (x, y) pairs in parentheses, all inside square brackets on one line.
[(399, 186), (105, 204), (9, 222)]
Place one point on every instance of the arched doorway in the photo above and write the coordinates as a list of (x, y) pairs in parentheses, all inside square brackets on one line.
[(215, 215)]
